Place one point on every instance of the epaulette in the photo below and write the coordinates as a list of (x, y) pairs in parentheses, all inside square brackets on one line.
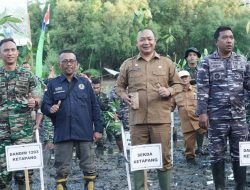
[(22, 69), (131, 58), (239, 56)]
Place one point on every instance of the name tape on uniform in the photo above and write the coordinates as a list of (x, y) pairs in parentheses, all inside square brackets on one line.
[(25, 156), (144, 157), (244, 150)]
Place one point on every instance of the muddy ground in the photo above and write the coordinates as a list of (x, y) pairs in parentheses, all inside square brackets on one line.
[(112, 172)]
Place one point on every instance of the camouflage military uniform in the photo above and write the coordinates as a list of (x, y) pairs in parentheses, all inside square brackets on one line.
[(247, 105), (112, 125), (193, 73), (221, 84), (122, 109), (15, 115), (46, 129), (103, 102)]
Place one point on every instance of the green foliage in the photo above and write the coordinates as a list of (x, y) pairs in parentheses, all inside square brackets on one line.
[(169, 38), (51, 60), (36, 19), (115, 105), (9, 18), (92, 72), (103, 32), (6, 19), (142, 19), (25, 55), (180, 65), (113, 125)]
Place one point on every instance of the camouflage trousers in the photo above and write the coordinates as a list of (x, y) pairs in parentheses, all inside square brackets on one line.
[(46, 130), (14, 130), (219, 131)]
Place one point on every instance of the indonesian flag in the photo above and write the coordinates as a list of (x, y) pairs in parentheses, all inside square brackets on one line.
[(46, 18)]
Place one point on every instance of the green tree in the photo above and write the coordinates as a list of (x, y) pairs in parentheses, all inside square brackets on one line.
[(103, 32)]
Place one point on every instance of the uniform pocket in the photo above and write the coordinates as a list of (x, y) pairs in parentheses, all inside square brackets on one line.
[(59, 96), (82, 98), (160, 78)]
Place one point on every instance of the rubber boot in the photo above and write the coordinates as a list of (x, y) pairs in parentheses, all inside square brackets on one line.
[(239, 176), (218, 171), (21, 185), (164, 179), (89, 182), (139, 180), (199, 140), (61, 184), (20, 179)]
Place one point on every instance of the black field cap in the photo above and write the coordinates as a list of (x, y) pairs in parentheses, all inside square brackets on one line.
[(192, 49)]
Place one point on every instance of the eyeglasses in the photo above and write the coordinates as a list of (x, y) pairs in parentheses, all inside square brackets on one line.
[(66, 61)]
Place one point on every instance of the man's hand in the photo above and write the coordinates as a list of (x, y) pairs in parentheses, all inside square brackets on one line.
[(49, 146), (203, 121), (31, 101), (97, 136), (55, 107), (128, 99), (36, 126), (164, 92)]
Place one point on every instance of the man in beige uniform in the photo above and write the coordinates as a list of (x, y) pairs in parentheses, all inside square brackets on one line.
[(186, 103), (155, 80)]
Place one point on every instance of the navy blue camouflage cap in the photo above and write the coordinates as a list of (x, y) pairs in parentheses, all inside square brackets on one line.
[(192, 49)]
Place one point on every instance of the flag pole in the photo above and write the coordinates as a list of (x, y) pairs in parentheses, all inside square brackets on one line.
[(39, 53)]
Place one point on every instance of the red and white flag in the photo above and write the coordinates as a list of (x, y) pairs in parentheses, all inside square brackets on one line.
[(46, 18)]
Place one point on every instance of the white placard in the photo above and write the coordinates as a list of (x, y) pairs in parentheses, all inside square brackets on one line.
[(244, 150), (127, 139), (25, 156), (145, 157)]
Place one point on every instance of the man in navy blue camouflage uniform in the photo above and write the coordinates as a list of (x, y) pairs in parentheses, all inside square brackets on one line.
[(221, 80), (71, 104)]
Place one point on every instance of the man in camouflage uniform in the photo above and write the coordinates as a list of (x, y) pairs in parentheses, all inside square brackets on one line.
[(122, 109), (247, 99), (18, 96), (42, 122), (108, 114), (192, 56), (45, 125), (221, 80), (103, 102)]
